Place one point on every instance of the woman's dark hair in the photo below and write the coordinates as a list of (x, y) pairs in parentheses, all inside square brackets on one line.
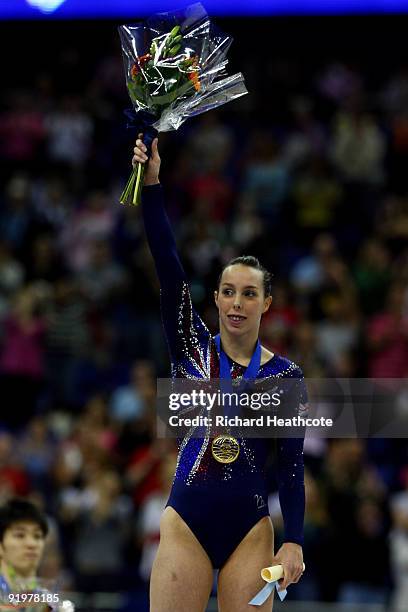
[(16, 510), (251, 262)]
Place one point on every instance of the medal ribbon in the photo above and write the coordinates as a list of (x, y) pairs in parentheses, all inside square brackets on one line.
[(250, 373)]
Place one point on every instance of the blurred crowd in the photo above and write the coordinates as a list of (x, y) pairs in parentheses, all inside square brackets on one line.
[(313, 182)]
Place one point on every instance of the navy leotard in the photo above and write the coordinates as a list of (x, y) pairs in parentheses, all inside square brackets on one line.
[(220, 502)]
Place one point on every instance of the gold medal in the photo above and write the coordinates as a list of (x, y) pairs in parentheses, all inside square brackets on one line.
[(225, 449)]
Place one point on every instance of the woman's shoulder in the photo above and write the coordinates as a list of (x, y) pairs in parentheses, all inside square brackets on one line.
[(277, 365)]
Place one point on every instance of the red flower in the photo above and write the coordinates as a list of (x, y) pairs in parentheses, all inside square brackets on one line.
[(143, 59), (140, 62)]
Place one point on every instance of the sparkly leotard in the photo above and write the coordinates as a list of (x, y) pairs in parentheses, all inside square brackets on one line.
[(220, 502)]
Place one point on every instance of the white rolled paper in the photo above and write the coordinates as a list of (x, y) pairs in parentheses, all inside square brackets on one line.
[(273, 573)]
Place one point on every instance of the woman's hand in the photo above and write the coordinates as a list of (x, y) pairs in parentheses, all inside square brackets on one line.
[(290, 556), (151, 176)]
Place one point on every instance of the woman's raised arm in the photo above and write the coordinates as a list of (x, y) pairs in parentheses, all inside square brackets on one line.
[(158, 230), (185, 331)]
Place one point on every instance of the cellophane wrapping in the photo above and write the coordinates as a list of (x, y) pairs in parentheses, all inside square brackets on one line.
[(175, 67)]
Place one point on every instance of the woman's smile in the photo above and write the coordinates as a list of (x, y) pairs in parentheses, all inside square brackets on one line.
[(236, 320)]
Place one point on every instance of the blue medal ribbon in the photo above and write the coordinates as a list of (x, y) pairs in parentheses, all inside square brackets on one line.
[(252, 368), (250, 373)]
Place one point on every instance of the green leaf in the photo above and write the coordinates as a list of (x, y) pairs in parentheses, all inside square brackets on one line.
[(175, 30), (137, 91), (174, 50)]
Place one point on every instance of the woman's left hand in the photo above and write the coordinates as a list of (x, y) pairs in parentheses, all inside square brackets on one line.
[(290, 556)]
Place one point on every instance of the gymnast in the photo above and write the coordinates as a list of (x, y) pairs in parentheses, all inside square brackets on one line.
[(217, 514)]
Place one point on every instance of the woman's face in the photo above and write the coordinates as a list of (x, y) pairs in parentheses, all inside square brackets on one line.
[(240, 299)]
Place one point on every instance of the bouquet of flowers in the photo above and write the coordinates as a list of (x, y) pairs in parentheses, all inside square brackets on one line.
[(175, 68)]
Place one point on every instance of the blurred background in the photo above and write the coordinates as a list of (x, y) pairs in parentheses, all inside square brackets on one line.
[(309, 173)]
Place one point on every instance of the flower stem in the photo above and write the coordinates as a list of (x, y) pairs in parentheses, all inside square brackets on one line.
[(132, 193), (137, 194)]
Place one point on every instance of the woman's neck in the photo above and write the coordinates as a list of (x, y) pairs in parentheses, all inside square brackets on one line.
[(241, 348)]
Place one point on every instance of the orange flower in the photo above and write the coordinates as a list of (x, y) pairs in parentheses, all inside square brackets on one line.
[(134, 71), (193, 76)]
